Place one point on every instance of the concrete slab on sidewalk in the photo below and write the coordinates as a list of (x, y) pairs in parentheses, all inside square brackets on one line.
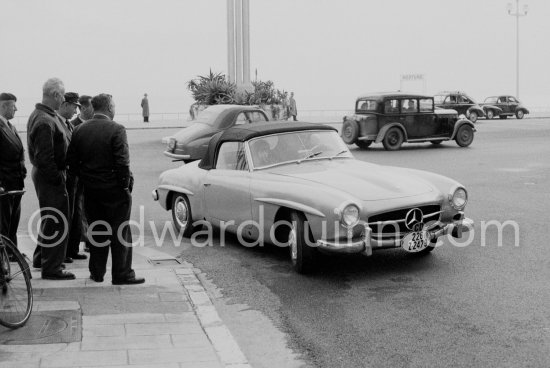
[(155, 324)]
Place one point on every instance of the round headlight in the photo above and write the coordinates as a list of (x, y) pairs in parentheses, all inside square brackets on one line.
[(459, 198), (172, 143), (350, 215)]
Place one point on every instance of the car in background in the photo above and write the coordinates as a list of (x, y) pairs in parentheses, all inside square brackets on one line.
[(297, 185), (392, 118), (190, 143), (506, 106), (461, 103)]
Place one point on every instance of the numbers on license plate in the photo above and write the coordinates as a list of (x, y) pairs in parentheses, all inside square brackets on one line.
[(416, 241)]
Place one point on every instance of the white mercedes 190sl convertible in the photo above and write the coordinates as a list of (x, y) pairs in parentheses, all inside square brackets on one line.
[(297, 185)]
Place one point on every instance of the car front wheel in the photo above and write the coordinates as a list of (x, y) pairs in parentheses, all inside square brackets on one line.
[(490, 114), (350, 132), (520, 114), (393, 139), (473, 116), (181, 214), (302, 254), (464, 136)]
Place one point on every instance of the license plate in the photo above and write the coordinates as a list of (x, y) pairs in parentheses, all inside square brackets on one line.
[(415, 241)]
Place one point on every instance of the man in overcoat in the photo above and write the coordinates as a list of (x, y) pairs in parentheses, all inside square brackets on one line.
[(145, 108), (47, 144), (12, 168), (99, 156)]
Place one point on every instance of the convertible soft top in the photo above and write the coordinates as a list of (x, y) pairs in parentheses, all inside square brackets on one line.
[(243, 133)]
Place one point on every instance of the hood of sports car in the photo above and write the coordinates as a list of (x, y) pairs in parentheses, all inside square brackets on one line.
[(365, 181)]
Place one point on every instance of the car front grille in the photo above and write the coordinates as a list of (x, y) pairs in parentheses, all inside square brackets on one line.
[(392, 224)]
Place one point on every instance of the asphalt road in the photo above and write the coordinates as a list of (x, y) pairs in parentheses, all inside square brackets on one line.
[(482, 304)]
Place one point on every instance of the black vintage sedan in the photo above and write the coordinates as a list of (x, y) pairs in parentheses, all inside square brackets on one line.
[(190, 144), (392, 118), (461, 102), (506, 106)]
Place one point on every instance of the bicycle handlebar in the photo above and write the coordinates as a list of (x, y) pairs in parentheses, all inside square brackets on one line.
[(12, 192)]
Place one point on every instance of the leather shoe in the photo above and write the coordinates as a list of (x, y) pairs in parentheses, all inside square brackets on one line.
[(129, 281), (61, 275), (96, 278), (79, 256), (68, 260)]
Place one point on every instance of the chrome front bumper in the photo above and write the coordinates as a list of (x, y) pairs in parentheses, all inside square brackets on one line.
[(367, 243)]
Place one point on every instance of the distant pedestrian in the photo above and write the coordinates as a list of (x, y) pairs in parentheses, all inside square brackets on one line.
[(66, 112), (47, 144), (286, 108), (12, 168), (145, 108), (292, 107), (99, 156)]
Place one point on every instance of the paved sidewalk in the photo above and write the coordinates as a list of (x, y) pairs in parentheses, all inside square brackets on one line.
[(169, 321)]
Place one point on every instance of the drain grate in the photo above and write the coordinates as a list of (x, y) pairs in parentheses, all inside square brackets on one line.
[(164, 262), (48, 327)]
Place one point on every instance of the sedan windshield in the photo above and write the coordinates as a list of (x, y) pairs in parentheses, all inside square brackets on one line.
[(296, 147)]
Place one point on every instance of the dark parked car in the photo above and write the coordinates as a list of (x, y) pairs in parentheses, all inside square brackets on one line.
[(396, 117), (462, 103), (507, 106), (190, 143)]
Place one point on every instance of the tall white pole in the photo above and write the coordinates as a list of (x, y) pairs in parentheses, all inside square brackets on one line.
[(239, 40), (246, 42), (231, 67), (518, 13)]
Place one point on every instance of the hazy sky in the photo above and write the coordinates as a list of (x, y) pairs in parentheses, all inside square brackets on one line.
[(326, 51)]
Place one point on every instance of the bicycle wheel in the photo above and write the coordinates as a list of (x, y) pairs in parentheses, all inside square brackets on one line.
[(15, 286)]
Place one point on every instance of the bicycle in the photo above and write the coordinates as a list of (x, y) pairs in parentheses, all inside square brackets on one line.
[(16, 297)]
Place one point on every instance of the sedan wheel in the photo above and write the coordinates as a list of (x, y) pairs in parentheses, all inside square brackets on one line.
[(490, 114), (473, 117), (350, 132), (181, 214), (302, 254), (519, 114), (393, 139), (464, 136)]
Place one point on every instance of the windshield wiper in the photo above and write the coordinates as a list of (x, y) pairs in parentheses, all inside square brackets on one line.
[(338, 154), (311, 155)]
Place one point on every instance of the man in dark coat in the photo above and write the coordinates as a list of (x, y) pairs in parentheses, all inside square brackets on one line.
[(145, 108), (12, 168), (65, 113), (79, 222), (99, 156), (47, 145)]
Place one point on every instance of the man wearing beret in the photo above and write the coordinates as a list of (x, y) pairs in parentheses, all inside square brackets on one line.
[(47, 144), (86, 110), (66, 111), (12, 168)]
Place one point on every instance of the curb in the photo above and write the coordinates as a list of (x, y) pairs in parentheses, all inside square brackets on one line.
[(219, 335)]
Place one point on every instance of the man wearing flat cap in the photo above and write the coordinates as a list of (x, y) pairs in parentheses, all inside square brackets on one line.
[(65, 113), (12, 168), (86, 110)]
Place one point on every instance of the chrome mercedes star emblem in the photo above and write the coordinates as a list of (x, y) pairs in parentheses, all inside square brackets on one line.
[(414, 219)]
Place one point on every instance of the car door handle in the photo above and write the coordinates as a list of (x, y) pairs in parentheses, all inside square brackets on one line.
[(206, 184)]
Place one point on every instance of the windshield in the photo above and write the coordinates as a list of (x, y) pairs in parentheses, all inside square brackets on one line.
[(366, 105), (438, 99), (296, 147), (491, 99)]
